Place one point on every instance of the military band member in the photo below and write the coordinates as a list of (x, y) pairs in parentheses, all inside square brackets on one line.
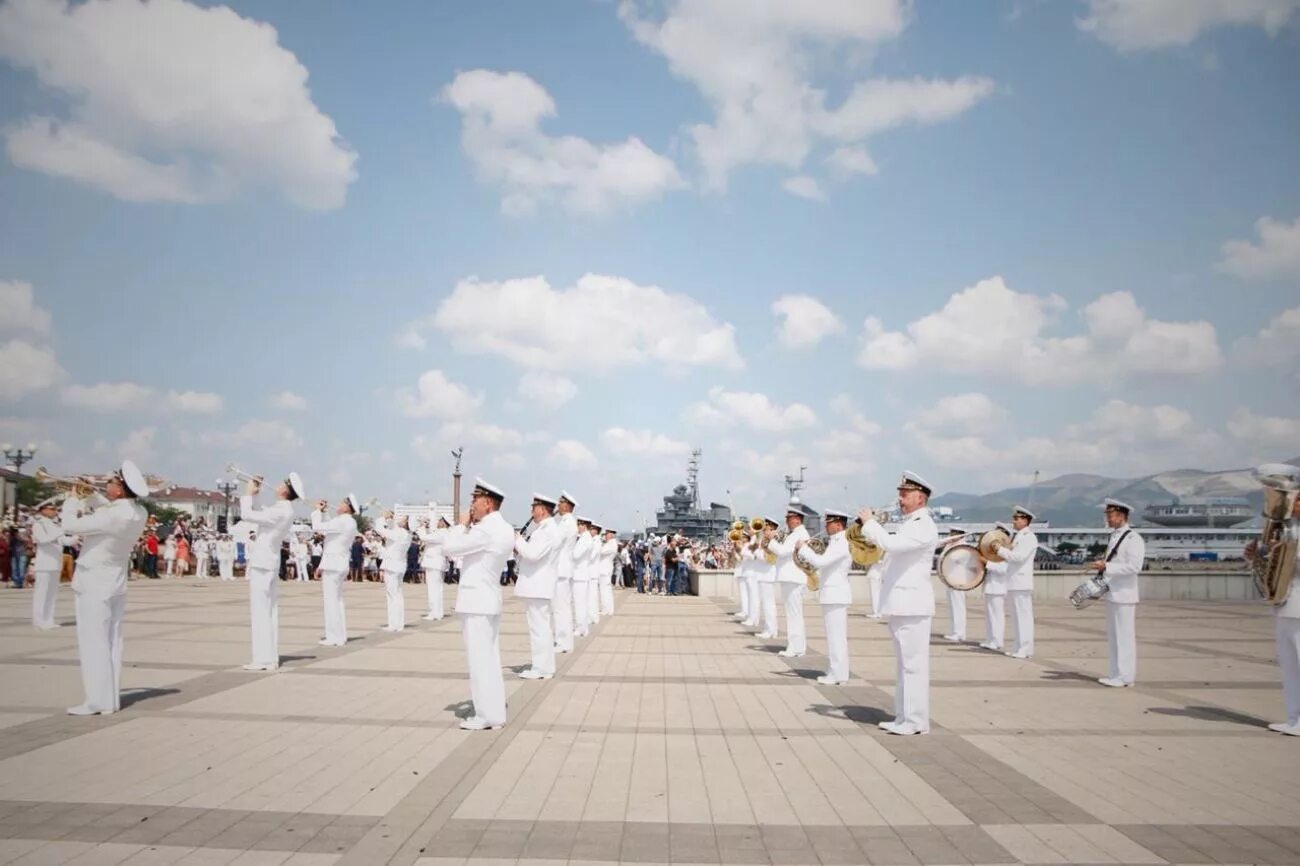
[(956, 598), (202, 556), (834, 594), (1020, 580), (1286, 626), (907, 599), (744, 562), (272, 525), (791, 579), (48, 537), (873, 586), (109, 526), (536, 555), (225, 551), (397, 541), (434, 564), (605, 572), (995, 598), (482, 540), (581, 557), (339, 532), (1125, 553), (766, 578), (562, 605), (593, 576)]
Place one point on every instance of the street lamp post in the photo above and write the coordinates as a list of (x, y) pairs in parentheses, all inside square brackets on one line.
[(227, 489), (17, 455)]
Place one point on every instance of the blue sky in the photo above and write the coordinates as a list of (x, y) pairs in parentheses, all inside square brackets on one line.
[(970, 239)]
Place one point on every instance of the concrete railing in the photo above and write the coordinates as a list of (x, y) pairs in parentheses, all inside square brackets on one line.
[(1049, 585)]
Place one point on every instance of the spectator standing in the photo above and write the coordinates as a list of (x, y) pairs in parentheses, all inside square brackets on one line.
[(151, 555)]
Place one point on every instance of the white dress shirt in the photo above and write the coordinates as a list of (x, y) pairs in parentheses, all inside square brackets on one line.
[(1020, 560), (482, 550), (535, 559), (272, 524), (339, 532), (832, 569), (905, 585), (1122, 571), (786, 570)]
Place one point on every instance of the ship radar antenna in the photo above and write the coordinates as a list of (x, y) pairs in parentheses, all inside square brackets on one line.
[(693, 478), (794, 485)]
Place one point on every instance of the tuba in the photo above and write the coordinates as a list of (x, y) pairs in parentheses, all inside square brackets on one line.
[(818, 546), (1273, 566)]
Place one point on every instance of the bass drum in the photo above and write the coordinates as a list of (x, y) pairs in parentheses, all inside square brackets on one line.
[(961, 567)]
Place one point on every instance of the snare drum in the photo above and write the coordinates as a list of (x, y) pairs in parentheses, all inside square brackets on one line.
[(1089, 591), (961, 567)]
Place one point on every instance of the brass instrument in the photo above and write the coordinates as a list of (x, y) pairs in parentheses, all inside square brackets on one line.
[(818, 546), (80, 486), (1273, 565), (768, 555), (242, 475), (738, 532), (756, 524)]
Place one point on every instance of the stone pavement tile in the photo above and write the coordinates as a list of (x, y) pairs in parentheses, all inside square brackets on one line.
[(200, 831), (929, 845), (111, 853), (503, 839), (1166, 842), (598, 840), (976, 845), (551, 840), (882, 845), (645, 842), (1255, 846), (457, 838)]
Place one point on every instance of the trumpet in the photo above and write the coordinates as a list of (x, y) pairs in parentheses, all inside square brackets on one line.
[(242, 475), (80, 486)]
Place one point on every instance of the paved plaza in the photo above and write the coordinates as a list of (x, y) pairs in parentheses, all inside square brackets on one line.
[(669, 736)]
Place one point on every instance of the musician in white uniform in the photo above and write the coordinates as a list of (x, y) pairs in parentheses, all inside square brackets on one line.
[(535, 555), (109, 526), (482, 540), (605, 570), (397, 541), (593, 576), (273, 525), (434, 564), (566, 526), (225, 549), (873, 586), (581, 557), (202, 556), (299, 551), (834, 594), (1020, 580), (765, 576), (907, 599), (1287, 616), (48, 537), (956, 598), (744, 568), (995, 598), (339, 532), (791, 579), (1125, 553)]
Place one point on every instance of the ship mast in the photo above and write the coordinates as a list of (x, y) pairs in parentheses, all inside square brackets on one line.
[(693, 478), (794, 485)]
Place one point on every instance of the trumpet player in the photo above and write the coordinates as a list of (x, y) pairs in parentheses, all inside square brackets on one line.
[(605, 570), (566, 526), (339, 531), (48, 537), (1287, 616), (537, 554), (225, 551), (995, 598), (1125, 553), (397, 540), (434, 564), (834, 594), (273, 525), (766, 578), (109, 525), (744, 562), (792, 580), (907, 599)]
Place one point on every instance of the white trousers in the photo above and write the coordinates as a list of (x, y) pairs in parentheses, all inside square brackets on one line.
[(336, 621), (562, 614), (767, 588), (607, 597), (593, 601), (1023, 608), (873, 584), (836, 619), (99, 649), (226, 569), (396, 601), (201, 566), (487, 687), (541, 640), (995, 609), (957, 612), (264, 615), (45, 598), (303, 568), (433, 587), (911, 636), (581, 612), (1122, 637), (742, 588), (755, 610), (1288, 658), (796, 636)]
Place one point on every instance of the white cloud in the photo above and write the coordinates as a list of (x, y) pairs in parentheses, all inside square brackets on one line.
[(195, 402), (971, 412), (989, 328), (848, 161), (1276, 345), (803, 186), (476, 436), (752, 61), (511, 461), (1267, 437), (749, 409), (501, 117), (1131, 25), (1275, 257), (548, 390), (804, 321), (572, 455), (26, 369), (846, 407), (288, 401), (170, 101), (596, 325), (409, 338), (642, 443), (256, 435), (108, 396), (437, 396), (20, 310), (139, 446)]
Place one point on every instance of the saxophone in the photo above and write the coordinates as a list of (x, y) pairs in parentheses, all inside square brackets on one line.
[(1273, 567)]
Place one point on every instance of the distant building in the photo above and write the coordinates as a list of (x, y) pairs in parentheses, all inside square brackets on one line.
[(431, 510), (205, 505), (682, 514), (1224, 511)]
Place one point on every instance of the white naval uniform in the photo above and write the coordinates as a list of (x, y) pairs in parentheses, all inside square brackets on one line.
[(225, 549), (339, 532), (48, 537), (434, 564), (273, 525), (483, 550), (298, 550), (397, 541), (873, 586), (995, 605), (1121, 602), (1287, 631), (743, 563), (1020, 587), (535, 560), (907, 598), (202, 557), (581, 564), (835, 596), (593, 581), (605, 575), (566, 527), (765, 577), (956, 608), (792, 581), (99, 584)]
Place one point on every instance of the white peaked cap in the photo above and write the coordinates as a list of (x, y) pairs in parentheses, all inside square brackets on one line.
[(1020, 509), (295, 484), (564, 494), (835, 512), (910, 479), (489, 488), (549, 500), (133, 478), (352, 503), (1115, 503)]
